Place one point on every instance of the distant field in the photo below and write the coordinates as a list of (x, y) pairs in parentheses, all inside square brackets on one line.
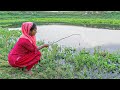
[(100, 20)]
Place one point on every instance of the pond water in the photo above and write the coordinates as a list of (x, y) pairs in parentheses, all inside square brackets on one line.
[(88, 37)]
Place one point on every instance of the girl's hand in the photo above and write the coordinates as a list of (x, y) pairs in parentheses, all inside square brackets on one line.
[(43, 46)]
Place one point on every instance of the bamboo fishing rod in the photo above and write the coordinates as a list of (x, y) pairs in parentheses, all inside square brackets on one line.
[(63, 38)]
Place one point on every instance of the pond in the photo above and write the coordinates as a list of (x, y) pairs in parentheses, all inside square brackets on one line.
[(88, 38)]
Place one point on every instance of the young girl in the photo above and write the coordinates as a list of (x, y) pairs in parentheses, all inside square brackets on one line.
[(25, 53)]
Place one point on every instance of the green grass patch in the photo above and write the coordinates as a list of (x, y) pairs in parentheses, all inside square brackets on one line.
[(101, 20)]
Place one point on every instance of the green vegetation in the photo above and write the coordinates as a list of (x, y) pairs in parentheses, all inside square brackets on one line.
[(60, 63), (57, 62), (101, 20)]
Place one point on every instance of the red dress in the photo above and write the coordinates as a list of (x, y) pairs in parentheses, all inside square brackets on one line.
[(24, 54)]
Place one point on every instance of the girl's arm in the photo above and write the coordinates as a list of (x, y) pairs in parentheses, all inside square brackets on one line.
[(26, 44), (43, 46)]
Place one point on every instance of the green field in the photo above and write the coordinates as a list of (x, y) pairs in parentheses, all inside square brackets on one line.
[(102, 20), (60, 63)]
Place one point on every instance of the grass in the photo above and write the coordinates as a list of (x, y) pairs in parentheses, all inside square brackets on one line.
[(59, 63), (102, 20)]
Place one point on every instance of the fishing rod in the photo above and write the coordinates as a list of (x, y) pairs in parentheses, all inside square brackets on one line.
[(63, 38)]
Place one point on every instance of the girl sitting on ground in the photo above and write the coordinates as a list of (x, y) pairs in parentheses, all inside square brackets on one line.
[(25, 53)]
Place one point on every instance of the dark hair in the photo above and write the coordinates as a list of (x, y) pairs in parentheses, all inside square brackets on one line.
[(33, 27)]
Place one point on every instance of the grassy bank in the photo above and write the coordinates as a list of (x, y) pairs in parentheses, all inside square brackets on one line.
[(60, 63), (102, 20)]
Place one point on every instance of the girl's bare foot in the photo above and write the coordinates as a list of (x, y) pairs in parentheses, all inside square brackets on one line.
[(28, 72)]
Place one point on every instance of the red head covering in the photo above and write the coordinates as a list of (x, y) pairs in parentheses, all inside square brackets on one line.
[(26, 26)]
